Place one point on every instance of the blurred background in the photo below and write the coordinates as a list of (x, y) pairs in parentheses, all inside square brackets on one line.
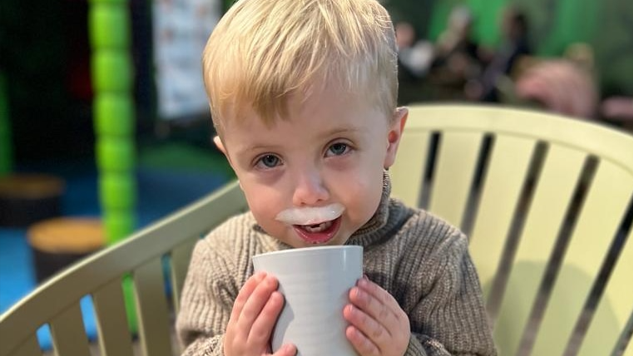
[(574, 57), (577, 53)]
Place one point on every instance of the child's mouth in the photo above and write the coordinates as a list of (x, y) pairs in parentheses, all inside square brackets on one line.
[(318, 233)]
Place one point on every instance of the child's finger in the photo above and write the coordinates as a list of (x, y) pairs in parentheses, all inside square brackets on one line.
[(286, 350), (380, 307), (256, 301), (372, 329), (245, 293), (263, 326), (362, 344), (377, 303), (379, 293)]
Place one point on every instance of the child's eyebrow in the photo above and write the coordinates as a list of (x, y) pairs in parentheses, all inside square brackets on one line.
[(343, 130), (257, 147)]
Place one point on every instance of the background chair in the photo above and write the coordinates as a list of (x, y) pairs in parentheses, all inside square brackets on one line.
[(143, 258), (546, 201)]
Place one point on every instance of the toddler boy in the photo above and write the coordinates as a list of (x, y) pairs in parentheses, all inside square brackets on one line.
[(303, 99)]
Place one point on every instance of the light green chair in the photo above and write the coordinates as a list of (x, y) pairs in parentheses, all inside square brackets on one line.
[(543, 199), (519, 183)]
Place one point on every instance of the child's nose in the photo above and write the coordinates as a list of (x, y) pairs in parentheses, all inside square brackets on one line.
[(309, 190)]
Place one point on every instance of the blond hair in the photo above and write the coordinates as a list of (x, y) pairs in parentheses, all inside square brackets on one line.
[(263, 51)]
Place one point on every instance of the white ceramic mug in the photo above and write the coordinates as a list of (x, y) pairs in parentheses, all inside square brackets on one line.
[(315, 282)]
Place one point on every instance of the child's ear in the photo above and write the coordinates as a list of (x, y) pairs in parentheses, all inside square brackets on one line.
[(394, 135), (218, 143)]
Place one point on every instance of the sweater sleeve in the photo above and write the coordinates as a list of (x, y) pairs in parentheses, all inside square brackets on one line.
[(450, 318), (207, 300)]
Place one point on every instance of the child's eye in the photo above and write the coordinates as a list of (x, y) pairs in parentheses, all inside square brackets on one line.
[(338, 149), (268, 161)]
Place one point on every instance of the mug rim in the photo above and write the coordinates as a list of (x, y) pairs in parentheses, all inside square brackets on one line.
[(306, 249)]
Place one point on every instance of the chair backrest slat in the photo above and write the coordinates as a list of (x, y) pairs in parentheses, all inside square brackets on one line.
[(552, 193), (179, 259), (624, 346), (67, 331), (504, 179), (408, 179), (614, 308), (453, 176), (151, 306), (601, 215), (112, 326)]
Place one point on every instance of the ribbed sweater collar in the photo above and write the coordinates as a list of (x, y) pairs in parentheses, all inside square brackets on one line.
[(389, 217)]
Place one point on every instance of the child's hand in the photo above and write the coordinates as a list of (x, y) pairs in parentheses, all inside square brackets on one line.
[(253, 318), (378, 325)]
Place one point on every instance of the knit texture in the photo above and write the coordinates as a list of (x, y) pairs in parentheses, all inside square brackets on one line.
[(421, 260)]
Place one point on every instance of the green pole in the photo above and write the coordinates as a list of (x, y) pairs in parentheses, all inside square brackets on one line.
[(114, 114), (6, 151), (113, 106)]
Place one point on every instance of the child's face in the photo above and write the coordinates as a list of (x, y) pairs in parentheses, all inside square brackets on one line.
[(331, 151)]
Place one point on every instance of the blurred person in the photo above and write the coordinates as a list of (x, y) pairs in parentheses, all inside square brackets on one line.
[(414, 56), (456, 54), (582, 54), (618, 107), (515, 44), (619, 110), (414, 60), (559, 86)]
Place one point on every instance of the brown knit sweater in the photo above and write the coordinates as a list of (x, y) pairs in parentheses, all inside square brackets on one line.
[(418, 258)]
